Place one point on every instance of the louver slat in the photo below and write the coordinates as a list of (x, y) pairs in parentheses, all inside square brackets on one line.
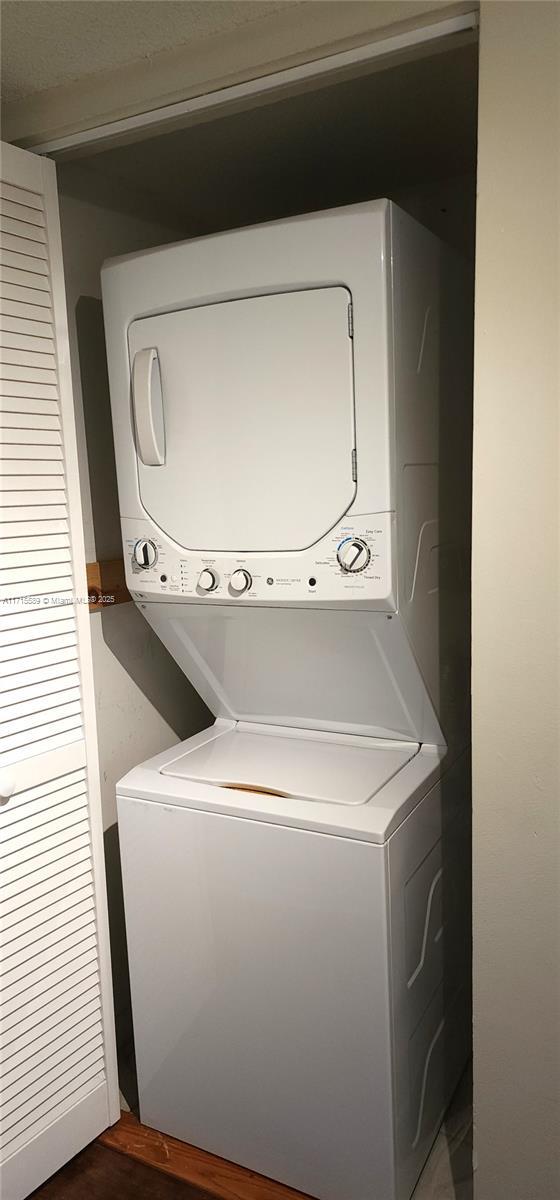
[(22, 262), (50, 915), (43, 804), (20, 244), (37, 457), (32, 619), (31, 421), (12, 355), (26, 328), (73, 1092), (45, 995), (22, 228), (12, 307), (31, 685), (49, 949), (20, 412), (17, 439), (73, 1015), (48, 1062), (31, 466), (20, 1108), (24, 278), (20, 195), (28, 389), (55, 623), (57, 1087), (27, 342), (23, 212), (33, 506), (46, 538), (39, 878), (42, 945), (27, 295)]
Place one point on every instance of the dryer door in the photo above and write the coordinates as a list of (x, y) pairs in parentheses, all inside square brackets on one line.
[(256, 448)]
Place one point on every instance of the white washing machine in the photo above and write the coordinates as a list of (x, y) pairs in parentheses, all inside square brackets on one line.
[(291, 418)]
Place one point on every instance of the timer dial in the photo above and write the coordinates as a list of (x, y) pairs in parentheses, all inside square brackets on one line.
[(208, 580), (240, 582), (145, 554), (353, 555)]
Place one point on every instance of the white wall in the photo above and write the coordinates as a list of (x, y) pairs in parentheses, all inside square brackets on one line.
[(516, 706), (144, 703)]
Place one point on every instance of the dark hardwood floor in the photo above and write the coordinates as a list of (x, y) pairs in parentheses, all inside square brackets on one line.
[(102, 1174), (215, 1177)]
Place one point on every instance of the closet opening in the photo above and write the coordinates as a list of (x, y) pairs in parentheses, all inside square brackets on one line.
[(405, 130)]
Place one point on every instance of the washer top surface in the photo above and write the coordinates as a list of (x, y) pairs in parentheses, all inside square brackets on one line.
[(298, 767), (339, 784)]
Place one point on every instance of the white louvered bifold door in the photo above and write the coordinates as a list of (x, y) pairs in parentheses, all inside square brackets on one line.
[(58, 1086)]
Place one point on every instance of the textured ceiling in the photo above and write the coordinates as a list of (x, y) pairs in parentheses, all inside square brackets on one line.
[(47, 43)]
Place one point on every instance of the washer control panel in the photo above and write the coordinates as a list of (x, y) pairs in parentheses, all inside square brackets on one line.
[(351, 566)]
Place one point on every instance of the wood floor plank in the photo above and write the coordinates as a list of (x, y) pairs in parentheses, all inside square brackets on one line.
[(100, 1174), (217, 1177)]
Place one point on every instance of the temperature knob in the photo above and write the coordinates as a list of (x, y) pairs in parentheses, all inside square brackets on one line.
[(208, 580), (240, 582), (145, 554), (353, 554)]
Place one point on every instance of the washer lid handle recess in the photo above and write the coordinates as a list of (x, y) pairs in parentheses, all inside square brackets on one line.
[(147, 402)]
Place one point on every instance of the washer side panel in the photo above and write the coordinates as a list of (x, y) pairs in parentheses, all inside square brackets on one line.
[(260, 995)]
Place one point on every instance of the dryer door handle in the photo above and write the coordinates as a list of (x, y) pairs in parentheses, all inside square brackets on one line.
[(147, 401)]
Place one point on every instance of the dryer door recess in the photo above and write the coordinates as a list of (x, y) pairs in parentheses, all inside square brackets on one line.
[(258, 420)]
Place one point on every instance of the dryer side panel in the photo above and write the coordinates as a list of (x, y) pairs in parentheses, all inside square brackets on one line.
[(432, 330)]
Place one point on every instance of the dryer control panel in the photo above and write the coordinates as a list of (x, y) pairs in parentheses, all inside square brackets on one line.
[(350, 567)]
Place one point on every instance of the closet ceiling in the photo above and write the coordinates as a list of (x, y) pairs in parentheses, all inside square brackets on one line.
[(49, 43), (369, 136)]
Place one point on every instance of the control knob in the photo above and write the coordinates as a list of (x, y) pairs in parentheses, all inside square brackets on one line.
[(145, 554), (208, 580), (240, 582), (353, 554)]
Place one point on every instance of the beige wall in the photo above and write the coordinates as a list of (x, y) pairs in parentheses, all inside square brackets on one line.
[(516, 703)]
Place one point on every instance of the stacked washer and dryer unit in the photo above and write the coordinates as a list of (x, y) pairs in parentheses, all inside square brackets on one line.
[(291, 420)]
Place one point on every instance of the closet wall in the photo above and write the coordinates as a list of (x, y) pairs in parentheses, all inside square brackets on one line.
[(516, 607)]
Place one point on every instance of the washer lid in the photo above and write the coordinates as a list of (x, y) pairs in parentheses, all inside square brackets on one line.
[(255, 420), (292, 763)]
